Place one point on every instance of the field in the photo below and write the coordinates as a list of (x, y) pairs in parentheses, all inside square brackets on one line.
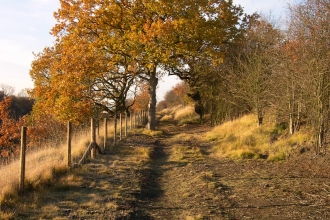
[(189, 171)]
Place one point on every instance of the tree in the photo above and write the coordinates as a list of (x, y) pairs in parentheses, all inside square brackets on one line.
[(141, 99), (254, 64), (310, 28), (23, 93), (9, 127), (76, 87), (7, 90), (143, 38), (287, 91), (176, 96)]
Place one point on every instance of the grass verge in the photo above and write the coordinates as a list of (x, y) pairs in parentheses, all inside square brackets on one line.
[(243, 139)]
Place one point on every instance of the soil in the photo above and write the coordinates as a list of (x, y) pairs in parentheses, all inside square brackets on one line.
[(195, 186)]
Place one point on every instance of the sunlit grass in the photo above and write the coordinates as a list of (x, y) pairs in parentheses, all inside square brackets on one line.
[(183, 137), (181, 153), (243, 139), (169, 111), (152, 133), (142, 154), (181, 114), (41, 164), (184, 113), (166, 118)]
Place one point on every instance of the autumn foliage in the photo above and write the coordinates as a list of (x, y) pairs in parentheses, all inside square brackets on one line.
[(103, 47), (41, 129), (10, 128), (176, 96), (141, 100)]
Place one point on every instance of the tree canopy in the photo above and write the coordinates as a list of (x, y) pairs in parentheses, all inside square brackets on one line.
[(103, 47)]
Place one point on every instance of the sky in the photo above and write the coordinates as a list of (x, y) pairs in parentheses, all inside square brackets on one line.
[(25, 29)]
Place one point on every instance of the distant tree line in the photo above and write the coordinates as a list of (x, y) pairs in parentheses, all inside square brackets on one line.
[(12, 111), (20, 105), (178, 95)]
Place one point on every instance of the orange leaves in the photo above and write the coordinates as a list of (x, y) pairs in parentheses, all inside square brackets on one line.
[(104, 45), (9, 128), (291, 48), (181, 89), (141, 99)]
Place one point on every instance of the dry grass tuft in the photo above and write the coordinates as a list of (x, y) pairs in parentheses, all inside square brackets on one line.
[(166, 118), (153, 133), (181, 153), (169, 111), (45, 163), (183, 137), (182, 114), (142, 154), (186, 115), (197, 217), (243, 139)]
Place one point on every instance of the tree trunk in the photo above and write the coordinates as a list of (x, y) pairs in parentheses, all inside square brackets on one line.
[(152, 101), (260, 117), (291, 124), (115, 128), (320, 138)]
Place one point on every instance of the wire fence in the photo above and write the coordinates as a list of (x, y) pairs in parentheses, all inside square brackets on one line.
[(40, 162)]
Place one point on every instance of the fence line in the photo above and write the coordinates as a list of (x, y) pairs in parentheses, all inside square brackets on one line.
[(26, 159)]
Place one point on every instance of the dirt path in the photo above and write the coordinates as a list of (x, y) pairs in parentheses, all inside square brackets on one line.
[(174, 176), (196, 186)]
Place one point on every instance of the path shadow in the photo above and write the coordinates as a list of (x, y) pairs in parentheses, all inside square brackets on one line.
[(150, 188)]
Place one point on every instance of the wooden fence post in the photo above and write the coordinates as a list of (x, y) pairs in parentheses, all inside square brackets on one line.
[(142, 117), (22, 159), (98, 127), (115, 129), (130, 120), (105, 132), (125, 124), (139, 118), (93, 138), (120, 126), (69, 128)]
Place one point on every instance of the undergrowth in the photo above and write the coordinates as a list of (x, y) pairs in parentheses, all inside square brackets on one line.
[(243, 139)]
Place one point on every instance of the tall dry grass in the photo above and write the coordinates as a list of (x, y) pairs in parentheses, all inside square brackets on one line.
[(186, 114), (242, 138), (181, 114), (41, 163)]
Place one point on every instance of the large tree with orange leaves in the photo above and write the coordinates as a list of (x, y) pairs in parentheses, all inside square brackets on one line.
[(109, 40)]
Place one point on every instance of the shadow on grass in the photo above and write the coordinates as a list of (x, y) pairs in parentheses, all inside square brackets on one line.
[(150, 188)]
